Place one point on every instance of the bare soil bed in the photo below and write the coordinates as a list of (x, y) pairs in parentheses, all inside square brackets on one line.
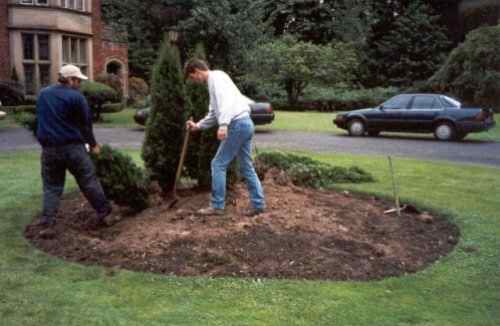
[(304, 234)]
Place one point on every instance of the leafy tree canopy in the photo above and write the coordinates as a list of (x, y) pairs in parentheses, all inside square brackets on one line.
[(295, 64)]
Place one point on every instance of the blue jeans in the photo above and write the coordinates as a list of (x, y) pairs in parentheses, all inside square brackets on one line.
[(74, 158), (238, 144)]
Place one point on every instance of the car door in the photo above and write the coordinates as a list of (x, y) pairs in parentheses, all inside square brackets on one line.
[(421, 113), (389, 115)]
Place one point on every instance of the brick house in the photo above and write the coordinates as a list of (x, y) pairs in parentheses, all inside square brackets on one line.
[(37, 37)]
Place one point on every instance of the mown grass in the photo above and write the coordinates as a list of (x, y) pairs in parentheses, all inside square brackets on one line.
[(460, 289)]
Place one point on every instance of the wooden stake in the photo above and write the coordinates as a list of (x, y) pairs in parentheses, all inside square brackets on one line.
[(394, 187)]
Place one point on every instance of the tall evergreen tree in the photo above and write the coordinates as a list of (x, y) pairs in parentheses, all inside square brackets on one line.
[(166, 124), (406, 45)]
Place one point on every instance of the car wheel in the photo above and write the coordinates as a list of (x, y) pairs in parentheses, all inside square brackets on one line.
[(373, 133), (356, 128), (445, 131)]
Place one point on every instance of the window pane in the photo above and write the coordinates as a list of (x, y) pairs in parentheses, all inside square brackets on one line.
[(26, 1), (397, 102), (43, 47), (65, 49), (79, 4), (83, 51), (63, 3), (44, 75), (74, 50), (42, 2), (29, 78), (28, 47), (71, 4), (423, 102)]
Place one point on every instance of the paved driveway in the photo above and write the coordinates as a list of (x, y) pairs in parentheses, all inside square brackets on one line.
[(476, 152)]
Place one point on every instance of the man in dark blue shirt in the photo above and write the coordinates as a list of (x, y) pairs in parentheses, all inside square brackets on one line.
[(64, 127)]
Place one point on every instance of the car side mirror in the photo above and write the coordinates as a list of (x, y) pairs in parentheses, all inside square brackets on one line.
[(381, 108)]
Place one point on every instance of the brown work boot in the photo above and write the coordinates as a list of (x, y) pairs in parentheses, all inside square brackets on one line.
[(253, 211), (210, 211)]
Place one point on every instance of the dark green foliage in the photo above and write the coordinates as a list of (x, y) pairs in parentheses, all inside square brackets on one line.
[(27, 120), (304, 171), (112, 107), (472, 70), (98, 94), (405, 48), (331, 100), (166, 122), (138, 89), (228, 29), (204, 144), (113, 81), (122, 180)]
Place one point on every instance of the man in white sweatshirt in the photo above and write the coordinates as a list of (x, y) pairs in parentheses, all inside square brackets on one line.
[(231, 111)]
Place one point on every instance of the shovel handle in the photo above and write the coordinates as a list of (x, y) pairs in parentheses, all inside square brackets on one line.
[(183, 156)]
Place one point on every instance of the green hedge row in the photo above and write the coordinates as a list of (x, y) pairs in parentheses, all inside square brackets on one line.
[(331, 100), (19, 109)]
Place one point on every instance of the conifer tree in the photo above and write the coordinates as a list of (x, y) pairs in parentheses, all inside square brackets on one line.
[(406, 45), (204, 144), (166, 123)]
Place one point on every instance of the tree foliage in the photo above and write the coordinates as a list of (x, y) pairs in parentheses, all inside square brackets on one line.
[(472, 70), (122, 180), (320, 21), (165, 125), (405, 45), (295, 64), (228, 29)]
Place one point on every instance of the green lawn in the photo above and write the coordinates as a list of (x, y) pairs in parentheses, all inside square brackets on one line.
[(461, 289), (122, 119)]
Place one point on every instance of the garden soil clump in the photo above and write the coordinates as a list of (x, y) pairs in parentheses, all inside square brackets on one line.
[(304, 234)]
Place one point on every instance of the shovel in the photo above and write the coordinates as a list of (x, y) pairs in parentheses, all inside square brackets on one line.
[(175, 199)]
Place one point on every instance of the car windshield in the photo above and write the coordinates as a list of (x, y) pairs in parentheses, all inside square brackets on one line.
[(451, 101)]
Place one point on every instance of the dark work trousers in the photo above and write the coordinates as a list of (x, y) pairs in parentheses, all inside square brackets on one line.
[(74, 158)]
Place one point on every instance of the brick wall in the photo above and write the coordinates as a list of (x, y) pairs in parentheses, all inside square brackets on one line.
[(105, 50), (97, 30), (4, 42)]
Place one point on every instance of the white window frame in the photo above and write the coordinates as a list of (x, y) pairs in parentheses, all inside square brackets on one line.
[(82, 64), (65, 4), (34, 2), (36, 61)]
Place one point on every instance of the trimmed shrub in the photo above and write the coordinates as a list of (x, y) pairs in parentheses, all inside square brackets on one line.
[(138, 89), (304, 171), (97, 95), (113, 81), (122, 180), (472, 70), (19, 109), (166, 122), (331, 100), (27, 120), (204, 144), (112, 107), (11, 93)]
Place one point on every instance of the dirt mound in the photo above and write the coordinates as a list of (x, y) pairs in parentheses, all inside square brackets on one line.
[(304, 234)]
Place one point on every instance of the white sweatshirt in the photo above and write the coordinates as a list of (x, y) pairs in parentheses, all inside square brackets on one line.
[(226, 101)]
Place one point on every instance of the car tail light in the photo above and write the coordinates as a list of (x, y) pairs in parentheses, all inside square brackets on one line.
[(483, 115), (269, 109)]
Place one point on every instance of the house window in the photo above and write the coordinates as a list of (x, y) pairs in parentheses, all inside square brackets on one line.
[(75, 52), (37, 2), (36, 61), (74, 4)]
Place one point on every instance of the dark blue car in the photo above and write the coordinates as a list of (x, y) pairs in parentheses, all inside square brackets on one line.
[(421, 113)]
